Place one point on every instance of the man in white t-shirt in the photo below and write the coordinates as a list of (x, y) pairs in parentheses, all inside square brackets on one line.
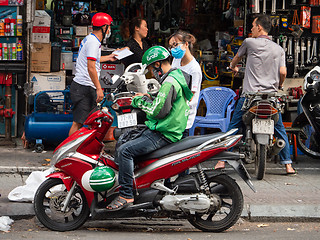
[(85, 89)]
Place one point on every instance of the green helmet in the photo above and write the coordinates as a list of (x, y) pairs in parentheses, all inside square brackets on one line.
[(99, 179), (154, 54)]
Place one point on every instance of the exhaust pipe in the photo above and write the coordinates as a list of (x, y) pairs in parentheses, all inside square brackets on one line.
[(277, 147)]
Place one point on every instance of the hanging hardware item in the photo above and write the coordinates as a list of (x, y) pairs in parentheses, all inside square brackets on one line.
[(308, 61), (316, 24), (289, 56), (296, 29), (293, 2), (264, 9), (255, 5), (303, 48), (273, 7), (283, 4), (296, 58), (305, 16), (284, 42), (314, 58)]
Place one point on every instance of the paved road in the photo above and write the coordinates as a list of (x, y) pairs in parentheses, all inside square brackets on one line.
[(159, 230)]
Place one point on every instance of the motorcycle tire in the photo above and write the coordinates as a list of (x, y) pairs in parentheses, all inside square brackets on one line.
[(218, 220), (305, 140), (48, 203), (261, 161)]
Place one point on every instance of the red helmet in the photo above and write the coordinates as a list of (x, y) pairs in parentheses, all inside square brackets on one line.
[(100, 19)]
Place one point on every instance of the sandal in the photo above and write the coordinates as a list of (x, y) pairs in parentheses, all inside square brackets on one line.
[(292, 173), (119, 203)]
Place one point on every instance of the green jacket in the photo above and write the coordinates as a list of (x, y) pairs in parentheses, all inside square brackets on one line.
[(168, 112)]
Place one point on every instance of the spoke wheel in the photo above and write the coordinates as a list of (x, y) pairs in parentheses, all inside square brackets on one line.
[(306, 140), (220, 218), (48, 203), (261, 161)]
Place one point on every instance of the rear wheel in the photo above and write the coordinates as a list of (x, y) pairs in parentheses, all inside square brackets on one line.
[(48, 203), (231, 205), (306, 139), (261, 161)]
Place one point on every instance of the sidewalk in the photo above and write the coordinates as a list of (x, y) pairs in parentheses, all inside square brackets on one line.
[(278, 196)]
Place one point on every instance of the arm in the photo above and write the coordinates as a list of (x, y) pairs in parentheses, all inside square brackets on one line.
[(283, 74), (107, 58), (234, 62), (161, 106), (94, 78)]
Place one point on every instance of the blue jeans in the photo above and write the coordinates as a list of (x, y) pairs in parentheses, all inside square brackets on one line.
[(279, 131), (148, 142)]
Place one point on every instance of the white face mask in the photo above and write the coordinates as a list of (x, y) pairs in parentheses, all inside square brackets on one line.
[(109, 34)]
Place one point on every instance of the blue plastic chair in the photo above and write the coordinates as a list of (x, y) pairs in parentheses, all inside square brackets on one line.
[(220, 104)]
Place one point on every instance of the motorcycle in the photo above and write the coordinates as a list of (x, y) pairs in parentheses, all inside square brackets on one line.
[(85, 181), (262, 112), (307, 124), (133, 80)]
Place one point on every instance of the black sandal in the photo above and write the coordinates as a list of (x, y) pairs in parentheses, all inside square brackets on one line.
[(119, 203)]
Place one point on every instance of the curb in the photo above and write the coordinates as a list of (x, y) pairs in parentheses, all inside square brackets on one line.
[(279, 211), (20, 170)]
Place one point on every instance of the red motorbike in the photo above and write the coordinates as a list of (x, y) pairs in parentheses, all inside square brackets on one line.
[(209, 200)]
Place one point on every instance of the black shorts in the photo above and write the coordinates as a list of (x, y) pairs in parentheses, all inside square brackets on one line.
[(83, 99)]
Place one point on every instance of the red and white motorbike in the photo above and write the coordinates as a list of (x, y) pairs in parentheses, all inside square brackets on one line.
[(209, 200)]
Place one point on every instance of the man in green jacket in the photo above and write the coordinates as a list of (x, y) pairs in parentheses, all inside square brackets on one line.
[(167, 116)]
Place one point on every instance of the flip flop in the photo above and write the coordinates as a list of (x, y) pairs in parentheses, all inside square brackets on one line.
[(292, 173), (119, 203)]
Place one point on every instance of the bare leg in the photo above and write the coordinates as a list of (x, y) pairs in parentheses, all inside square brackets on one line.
[(74, 127)]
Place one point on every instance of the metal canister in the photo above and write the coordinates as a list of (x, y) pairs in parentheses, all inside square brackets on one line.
[(4, 51), (14, 51)]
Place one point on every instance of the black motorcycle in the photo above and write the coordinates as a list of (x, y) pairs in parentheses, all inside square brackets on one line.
[(307, 124)]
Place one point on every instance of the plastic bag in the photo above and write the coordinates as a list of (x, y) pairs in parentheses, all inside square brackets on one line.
[(26, 192), (5, 223)]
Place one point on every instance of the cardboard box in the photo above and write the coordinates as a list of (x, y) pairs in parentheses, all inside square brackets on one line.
[(40, 5), (48, 81), (40, 57), (238, 23), (81, 30), (41, 27)]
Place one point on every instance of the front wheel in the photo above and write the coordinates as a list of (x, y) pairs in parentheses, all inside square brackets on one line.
[(229, 211), (48, 203), (261, 161)]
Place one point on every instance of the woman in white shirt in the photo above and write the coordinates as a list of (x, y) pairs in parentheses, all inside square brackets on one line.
[(181, 46)]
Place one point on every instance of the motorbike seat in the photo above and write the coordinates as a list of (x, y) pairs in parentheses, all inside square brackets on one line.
[(185, 143)]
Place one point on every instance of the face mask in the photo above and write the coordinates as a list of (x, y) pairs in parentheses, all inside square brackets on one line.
[(104, 34), (109, 34), (178, 52)]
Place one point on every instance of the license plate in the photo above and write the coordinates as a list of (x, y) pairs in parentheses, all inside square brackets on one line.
[(264, 126), (127, 120)]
